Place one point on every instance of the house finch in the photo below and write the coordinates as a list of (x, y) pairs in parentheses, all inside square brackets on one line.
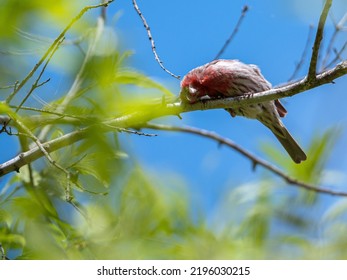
[(232, 78)]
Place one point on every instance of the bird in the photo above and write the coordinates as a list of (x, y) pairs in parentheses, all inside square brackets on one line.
[(224, 78)]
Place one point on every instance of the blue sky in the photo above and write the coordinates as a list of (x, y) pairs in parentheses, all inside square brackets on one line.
[(190, 33)]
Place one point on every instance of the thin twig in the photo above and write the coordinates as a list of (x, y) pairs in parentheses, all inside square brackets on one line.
[(44, 111), (130, 131), (35, 153), (46, 40), (236, 29), (76, 85), (41, 40), (136, 132), (3, 192), (255, 160), (36, 83), (70, 199), (7, 87), (316, 46), (329, 49), (56, 41), (150, 37), (304, 54), (40, 146), (337, 55), (19, 52), (338, 28)]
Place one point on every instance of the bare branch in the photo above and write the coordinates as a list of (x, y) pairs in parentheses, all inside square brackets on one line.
[(56, 41), (338, 54), (150, 37), (329, 49), (319, 36), (338, 28), (236, 29), (255, 160)]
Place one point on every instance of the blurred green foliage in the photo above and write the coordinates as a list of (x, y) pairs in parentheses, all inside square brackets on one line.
[(113, 208)]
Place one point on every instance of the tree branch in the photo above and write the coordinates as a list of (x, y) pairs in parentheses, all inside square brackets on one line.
[(35, 153), (254, 159), (316, 46), (139, 118), (39, 145)]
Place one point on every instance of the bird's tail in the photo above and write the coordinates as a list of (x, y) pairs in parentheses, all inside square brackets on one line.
[(287, 141)]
